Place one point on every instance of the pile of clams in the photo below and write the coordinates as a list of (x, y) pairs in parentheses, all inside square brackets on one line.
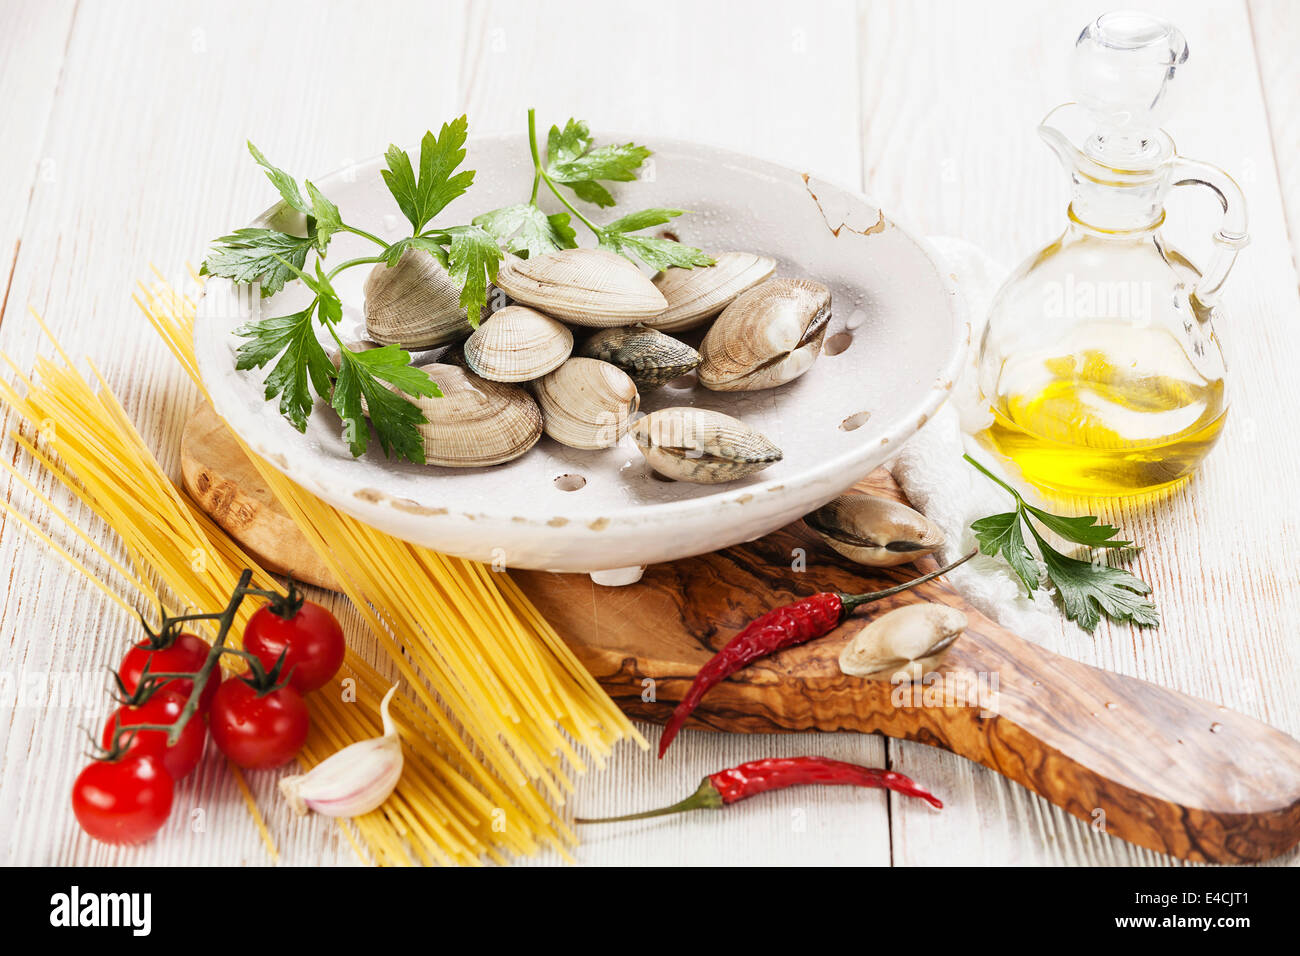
[(522, 372)]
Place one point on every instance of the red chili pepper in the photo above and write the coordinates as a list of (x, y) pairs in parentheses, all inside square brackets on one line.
[(776, 630), (776, 773), (784, 627)]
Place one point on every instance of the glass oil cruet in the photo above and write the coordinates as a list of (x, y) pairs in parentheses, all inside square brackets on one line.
[(1099, 360)]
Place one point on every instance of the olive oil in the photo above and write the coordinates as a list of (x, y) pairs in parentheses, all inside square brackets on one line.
[(1099, 360), (1097, 424)]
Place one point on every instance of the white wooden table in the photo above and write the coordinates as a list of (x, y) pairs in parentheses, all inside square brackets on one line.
[(124, 128)]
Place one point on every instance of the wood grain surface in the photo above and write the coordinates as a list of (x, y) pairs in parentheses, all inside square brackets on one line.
[(1157, 768), (125, 124), (217, 474)]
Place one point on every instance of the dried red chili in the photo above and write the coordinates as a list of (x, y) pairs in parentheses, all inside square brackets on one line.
[(776, 630), (777, 773)]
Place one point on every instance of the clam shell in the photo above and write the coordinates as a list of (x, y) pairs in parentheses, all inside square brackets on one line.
[(768, 336), (476, 422), (453, 354), (696, 295), (414, 304), (586, 403), (879, 532), (590, 287), (904, 644), (517, 344), (702, 446), (649, 357)]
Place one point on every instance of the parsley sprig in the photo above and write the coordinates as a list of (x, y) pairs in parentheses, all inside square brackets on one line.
[(383, 378), (575, 163), (1087, 589), (370, 390)]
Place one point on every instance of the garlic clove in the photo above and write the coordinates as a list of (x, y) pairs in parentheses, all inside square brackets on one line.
[(353, 781)]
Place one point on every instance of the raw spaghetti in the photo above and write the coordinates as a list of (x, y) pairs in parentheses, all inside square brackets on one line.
[(494, 708)]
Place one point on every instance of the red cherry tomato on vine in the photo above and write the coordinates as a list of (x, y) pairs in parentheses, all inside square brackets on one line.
[(184, 655), (311, 641), (164, 707), (123, 801), (258, 731)]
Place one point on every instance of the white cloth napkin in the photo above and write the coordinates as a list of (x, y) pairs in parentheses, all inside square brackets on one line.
[(951, 493)]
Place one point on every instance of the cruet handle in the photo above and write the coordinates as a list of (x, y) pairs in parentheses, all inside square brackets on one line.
[(1231, 236)]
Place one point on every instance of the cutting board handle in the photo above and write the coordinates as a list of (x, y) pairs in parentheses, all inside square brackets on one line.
[(1150, 765), (1156, 767)]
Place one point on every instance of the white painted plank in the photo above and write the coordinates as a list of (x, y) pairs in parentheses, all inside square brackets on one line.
[(1276, 27), (172, 196), (952, 93), (32, 45), (147, 168), (770, 79), (947, 145)]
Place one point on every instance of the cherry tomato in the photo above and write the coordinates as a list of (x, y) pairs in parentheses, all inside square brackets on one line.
[(258, 731), (311, 641), (164, 707), (123, 801), (184, 655)]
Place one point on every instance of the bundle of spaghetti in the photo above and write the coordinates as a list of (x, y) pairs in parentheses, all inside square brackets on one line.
[(482, 616), (490, 696), (86, 441)]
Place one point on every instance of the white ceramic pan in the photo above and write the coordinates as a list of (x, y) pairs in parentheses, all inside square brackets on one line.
[(895, 344)]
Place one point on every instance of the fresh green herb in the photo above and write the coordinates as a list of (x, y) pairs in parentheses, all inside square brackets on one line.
[(362, 375), (655, 252), (420, 199), (528, 231), (323, 218), (258, 255), (573, 162), (326, 214), (1088, 589), (472, 259), (375, 384), (302, 365)]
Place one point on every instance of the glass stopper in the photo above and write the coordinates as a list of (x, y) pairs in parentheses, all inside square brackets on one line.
[(1121, 72)]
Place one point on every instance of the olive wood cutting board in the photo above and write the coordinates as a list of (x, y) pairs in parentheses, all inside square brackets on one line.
[(1170, 772)]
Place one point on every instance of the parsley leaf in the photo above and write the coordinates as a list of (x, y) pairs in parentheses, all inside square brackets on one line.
[(431, 243), (528, 231), (361, 378), (658, 254), (326, 214), (472, 261), (654, 252), (285, 184), (257, 255), (330, 305), (1083, 529), (643, 219), (571, 160), (323, 219), (1001, 534), (422, 198), (1089, 590), (566, 145), (304, 362)]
